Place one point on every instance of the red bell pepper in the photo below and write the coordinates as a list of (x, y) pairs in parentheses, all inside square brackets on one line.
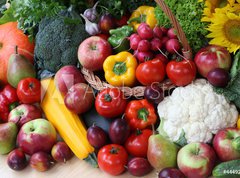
[(140, 114), (8, 101)]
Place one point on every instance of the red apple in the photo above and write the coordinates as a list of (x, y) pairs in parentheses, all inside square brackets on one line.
[(79, 98), (92, 52), (66, 77), (41, 161), (24, 113), (61, 152), (37, 135), (227, 144), (196, 160), (211, 57), (16, 160)]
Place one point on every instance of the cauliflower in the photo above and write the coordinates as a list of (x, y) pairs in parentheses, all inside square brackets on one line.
[(196, 112)]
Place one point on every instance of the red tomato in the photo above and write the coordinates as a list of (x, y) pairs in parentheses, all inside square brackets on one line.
[(150, 72), (110, 103), (112, 159), (181, 73), (137, 143), (29, 90)]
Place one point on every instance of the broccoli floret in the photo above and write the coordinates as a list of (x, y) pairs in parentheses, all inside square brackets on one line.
[(57, 41)]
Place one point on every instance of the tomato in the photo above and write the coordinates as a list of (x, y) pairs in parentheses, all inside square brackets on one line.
[(150, 72), (137, 143), (181, 73), (29, 90), (112, 159), (110, 103)]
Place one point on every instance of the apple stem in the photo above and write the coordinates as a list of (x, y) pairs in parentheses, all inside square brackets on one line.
[(16, 49)]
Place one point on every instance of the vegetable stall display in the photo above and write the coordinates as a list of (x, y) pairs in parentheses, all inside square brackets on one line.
[(142, 88)]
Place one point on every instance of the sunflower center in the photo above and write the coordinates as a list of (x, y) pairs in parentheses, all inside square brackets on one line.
[(232, 31)]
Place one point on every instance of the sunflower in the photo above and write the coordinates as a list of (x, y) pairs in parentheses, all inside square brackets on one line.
[(212, 5), (225, 30)]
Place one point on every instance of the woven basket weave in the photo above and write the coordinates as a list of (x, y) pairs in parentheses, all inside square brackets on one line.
[(138, 91)]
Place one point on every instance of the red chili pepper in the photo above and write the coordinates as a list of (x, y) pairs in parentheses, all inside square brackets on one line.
[(140, 114), (8, 101)]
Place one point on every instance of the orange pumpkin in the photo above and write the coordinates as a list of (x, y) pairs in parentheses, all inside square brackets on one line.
[(11, 36)]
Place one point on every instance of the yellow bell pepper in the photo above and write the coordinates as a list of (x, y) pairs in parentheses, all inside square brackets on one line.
[(238, 122), (120, 69), (143, 14)]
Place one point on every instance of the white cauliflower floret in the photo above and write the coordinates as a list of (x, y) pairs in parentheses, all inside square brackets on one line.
[(197, 111)]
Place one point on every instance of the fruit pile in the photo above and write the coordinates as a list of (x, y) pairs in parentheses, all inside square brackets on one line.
[(49, 112)]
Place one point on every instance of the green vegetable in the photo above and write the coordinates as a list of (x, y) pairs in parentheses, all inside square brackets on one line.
[(188, 14), (29, 13), (236, 143), (118, 38), (232, 91), (120, 7), (229, 169), (57, 41), (236, 65)]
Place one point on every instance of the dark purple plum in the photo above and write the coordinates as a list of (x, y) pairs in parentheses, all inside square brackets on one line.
[(154, 93), (139, 166), (16, 160), (96, 136), (218, 77), (170, 173)]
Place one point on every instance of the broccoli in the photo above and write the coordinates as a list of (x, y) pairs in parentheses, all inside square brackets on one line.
[(57, 41)]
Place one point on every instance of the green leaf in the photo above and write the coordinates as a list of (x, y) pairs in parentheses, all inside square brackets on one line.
[(182, 141), (160, 129), (236, 65), (92, 160), (8, 16)]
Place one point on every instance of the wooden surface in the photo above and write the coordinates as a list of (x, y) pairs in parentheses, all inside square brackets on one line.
[(74, 168)]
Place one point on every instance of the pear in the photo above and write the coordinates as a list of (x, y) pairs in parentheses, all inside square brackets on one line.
[(162, 152), (18, 68), (8, 135)]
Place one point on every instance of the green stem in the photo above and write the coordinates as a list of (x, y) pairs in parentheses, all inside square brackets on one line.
[(143, 114), (119, 68), (236, 143), (107, 97)]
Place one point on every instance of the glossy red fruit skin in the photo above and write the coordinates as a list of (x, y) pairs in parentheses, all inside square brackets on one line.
[(16, 160), (119, 131), (61, 152), (170, 173), (96, 136), (41, 161), (139, 167), (112, 159)]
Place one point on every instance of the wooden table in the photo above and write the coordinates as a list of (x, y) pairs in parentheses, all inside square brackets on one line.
[(74, 168)]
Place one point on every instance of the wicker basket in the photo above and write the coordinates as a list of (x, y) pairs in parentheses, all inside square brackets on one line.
[(138, 91)]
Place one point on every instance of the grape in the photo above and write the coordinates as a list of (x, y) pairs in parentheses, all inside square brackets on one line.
[(170, 173), (154, 93), (96, 136), (218, 77), (119, 131)]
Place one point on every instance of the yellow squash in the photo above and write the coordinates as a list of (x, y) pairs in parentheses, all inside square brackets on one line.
[(68, 124)]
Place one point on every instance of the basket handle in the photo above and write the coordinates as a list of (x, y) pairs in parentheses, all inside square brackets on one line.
[(187, 51)]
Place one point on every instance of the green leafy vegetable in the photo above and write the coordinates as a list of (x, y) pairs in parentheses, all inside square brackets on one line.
[(57, 41), (29, 13), (182, 141), (189, 14), (232, 91), (120, 7), (236, 65)]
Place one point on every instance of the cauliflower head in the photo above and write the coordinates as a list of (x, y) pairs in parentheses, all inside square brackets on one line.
[(197, 111)]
